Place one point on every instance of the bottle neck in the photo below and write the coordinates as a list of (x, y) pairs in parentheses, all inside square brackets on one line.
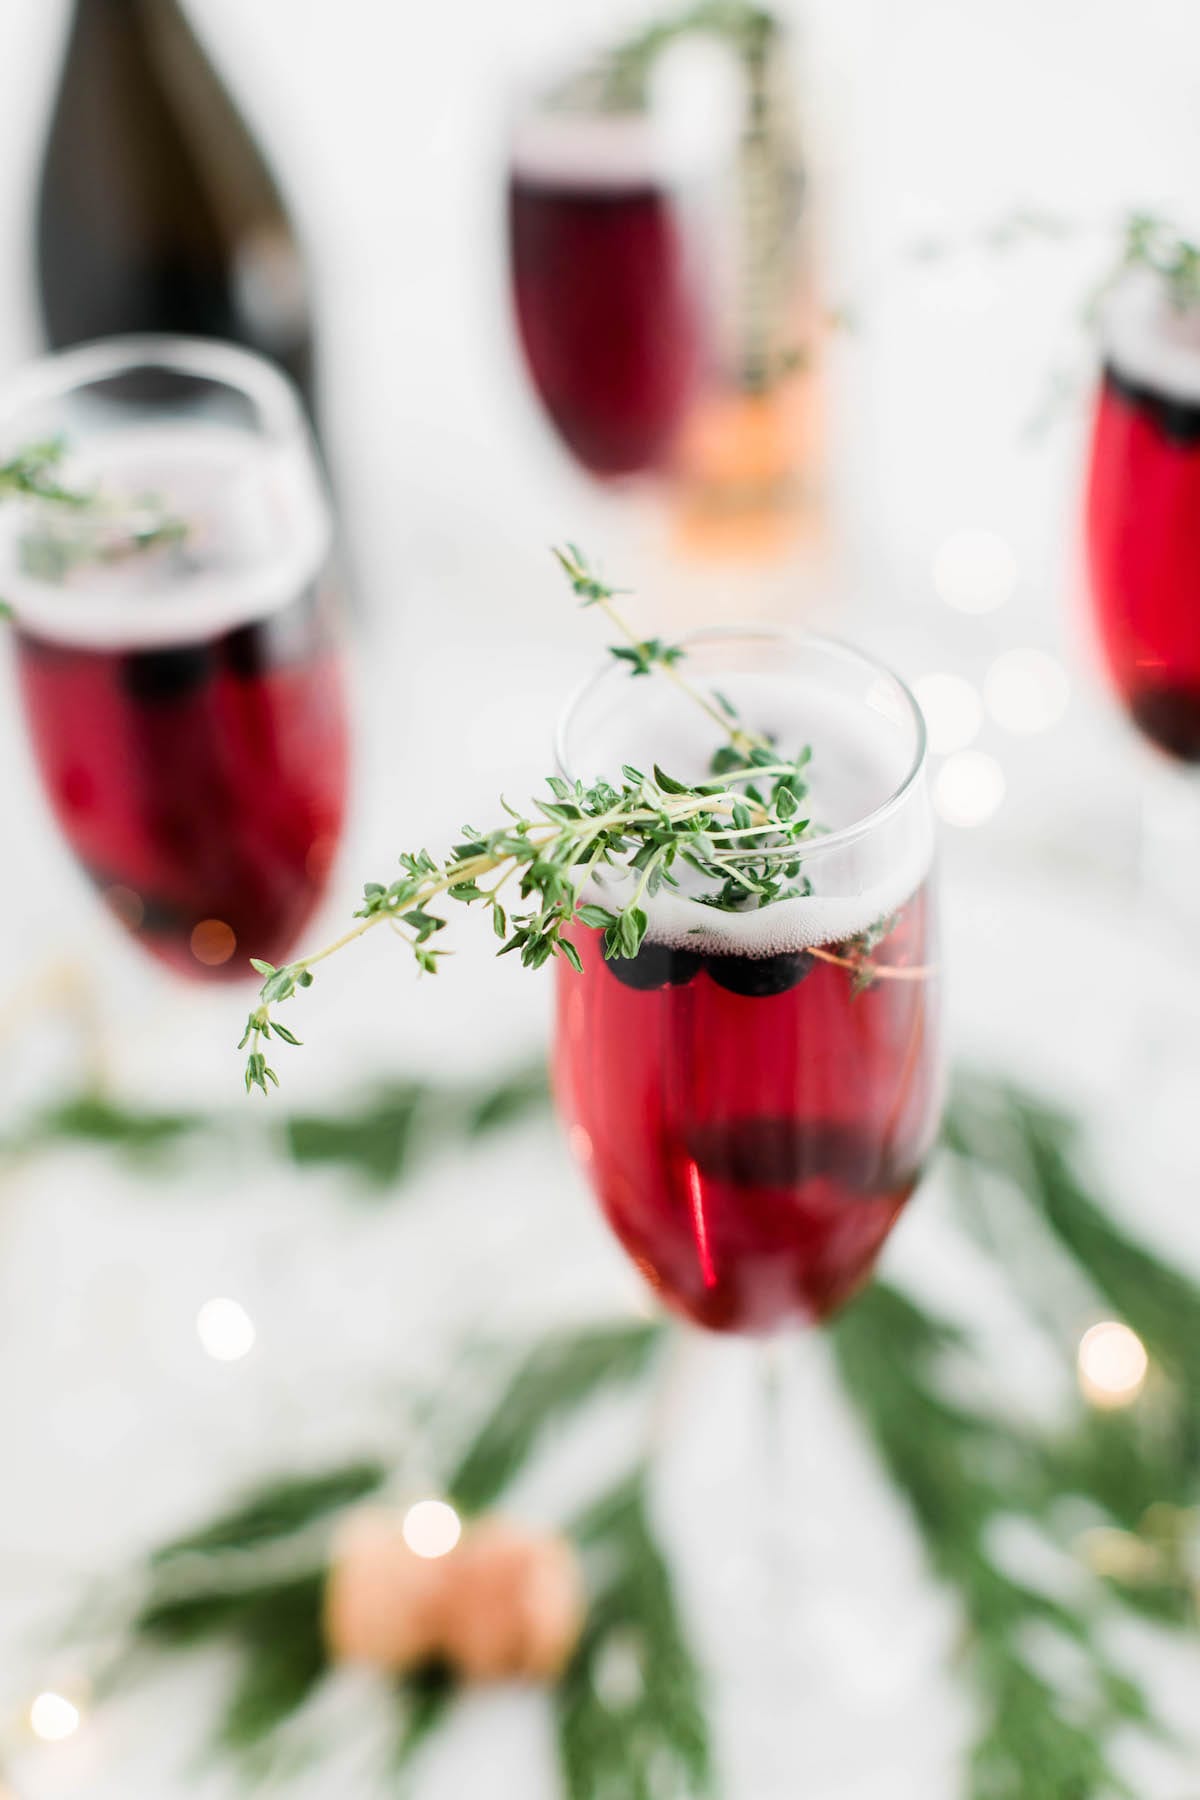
[(143, 15)]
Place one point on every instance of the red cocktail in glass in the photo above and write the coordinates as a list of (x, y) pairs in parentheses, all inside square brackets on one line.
[(607, 306), (753, 1097), (184, 701), (1143, 513)]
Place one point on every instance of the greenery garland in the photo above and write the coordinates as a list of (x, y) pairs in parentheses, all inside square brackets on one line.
[(962, 1466), (378, 1142)]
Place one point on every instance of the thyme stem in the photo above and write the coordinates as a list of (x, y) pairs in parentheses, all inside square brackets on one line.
[(744, 830)]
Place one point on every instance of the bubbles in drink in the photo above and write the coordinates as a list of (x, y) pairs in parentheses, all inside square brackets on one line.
[(190, 528), (861, 758)]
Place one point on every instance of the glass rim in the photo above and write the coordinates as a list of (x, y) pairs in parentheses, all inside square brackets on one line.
[(1134, 344), (807, 640), (279, 428), (63, 372)]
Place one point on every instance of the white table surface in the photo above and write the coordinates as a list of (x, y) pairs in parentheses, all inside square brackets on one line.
[(115, 1428)]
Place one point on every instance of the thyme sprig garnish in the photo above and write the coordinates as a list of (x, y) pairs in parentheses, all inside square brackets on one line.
[(1154, 243), (33, 472), (618, 80), (648, 825), (1141, 239), (645, 654), (1135, 240), (124, 525), (594, 853)]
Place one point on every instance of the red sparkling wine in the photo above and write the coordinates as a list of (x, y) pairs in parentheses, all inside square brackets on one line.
[(201, 785), (751, 1125), (185, 703), (606, 306), (1143, 539)]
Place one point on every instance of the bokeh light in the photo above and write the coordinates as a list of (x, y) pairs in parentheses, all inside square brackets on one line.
[(52, 1717), (1119, 1555), (969, 787), (225, 1329), (213, 942), (431, 1528), (1112, 1364)]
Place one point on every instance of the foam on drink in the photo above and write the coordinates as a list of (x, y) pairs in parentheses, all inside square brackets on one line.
[(596, 151), (257, 533), (687, 132), (875, 850), (1150, 341)]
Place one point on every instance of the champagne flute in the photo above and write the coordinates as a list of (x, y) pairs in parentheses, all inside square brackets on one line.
[(754, 1095), (1143, 511), (178, 651), (607, 298), (661, 266)]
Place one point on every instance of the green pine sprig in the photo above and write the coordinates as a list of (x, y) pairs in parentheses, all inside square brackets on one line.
[(963, 1467), (556, 1378), (1141, 1464), (377, 1142), (649, 1739), (252, 1578)]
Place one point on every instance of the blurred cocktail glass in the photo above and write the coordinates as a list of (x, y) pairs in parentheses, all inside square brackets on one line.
[(661, 273), (177, 642)]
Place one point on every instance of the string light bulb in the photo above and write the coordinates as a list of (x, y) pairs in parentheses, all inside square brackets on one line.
[(1112, 1365), (431, 1528), (225, 1329), (969, 787), (52, 1717)]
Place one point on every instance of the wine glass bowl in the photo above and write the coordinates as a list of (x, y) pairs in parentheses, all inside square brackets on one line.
[(661, 264), (605, 295), (177, 642), (1143, 512), (754, 1095)]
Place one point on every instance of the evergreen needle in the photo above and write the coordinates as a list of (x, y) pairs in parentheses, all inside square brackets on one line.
[(630, 1709)]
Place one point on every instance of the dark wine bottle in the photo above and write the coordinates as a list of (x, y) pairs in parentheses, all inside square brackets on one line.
[(156, 211)]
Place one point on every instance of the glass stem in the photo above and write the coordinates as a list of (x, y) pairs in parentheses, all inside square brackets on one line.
[(1165, 904), (1169, 851), (772, 1763)]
